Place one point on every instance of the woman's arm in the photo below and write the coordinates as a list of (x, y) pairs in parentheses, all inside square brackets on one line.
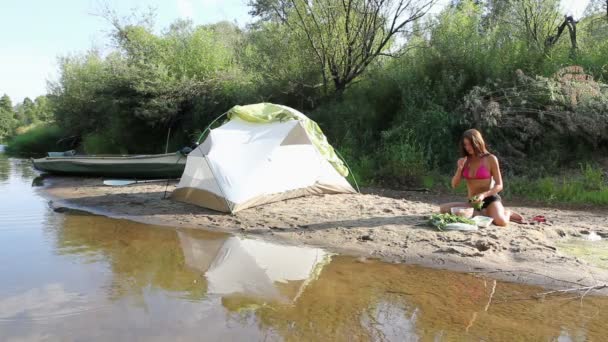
[(495, 172), (458, 175)]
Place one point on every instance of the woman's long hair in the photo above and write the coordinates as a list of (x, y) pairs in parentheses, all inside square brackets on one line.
[(479, 145)]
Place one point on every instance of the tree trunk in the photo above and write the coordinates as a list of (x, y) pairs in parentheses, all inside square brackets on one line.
[(574, 47), (571, 24)]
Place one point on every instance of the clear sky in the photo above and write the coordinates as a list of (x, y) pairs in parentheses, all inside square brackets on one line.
[(36, 32)]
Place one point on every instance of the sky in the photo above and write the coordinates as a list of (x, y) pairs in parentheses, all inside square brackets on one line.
[(36, 32)]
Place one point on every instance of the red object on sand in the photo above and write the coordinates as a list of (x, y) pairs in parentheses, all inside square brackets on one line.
[(539, 219)]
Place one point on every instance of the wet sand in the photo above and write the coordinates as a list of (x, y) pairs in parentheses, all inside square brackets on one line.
[(384, 224)]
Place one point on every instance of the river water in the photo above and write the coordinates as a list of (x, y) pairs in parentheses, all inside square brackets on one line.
[(77, 277)]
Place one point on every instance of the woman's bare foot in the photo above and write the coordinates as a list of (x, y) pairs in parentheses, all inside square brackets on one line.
[(515, 217)]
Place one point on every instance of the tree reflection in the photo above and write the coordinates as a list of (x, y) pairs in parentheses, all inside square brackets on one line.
[(379, 301), (297, 293), (140, 256), (5, 167)]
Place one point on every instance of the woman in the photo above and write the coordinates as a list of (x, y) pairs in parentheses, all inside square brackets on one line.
[(484, 181)]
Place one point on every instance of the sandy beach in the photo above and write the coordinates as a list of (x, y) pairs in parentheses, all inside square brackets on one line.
[(384, 224)]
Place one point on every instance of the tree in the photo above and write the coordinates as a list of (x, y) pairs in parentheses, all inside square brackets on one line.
[(539, 22), (6, 103), (345, 35), (283, 66), (6, 117), (538, 19), (26, 112), (6, 124), (570, 23), (597, 6), (43, 109)]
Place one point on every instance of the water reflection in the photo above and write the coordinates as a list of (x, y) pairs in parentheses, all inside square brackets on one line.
[(83, 277), (51, 300), (5, 167), (140, 256), (302, 293), (21, 168), (237, 267)]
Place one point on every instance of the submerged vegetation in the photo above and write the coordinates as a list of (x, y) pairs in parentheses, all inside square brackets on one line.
[(392, 92)]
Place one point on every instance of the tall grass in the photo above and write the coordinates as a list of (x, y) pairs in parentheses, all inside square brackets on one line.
[(36, 141), (588, 186)]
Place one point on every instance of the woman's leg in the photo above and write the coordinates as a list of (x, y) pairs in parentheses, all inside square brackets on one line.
[(445, 208), (498, 212)]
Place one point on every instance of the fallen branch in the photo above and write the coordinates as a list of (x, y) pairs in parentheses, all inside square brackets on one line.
[(491, 295), (514, 272), (471, 322), (584, 294), (587, 289)]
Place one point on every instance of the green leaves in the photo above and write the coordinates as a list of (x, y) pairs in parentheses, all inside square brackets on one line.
[(439, 221), (477, 205), (181, 77)]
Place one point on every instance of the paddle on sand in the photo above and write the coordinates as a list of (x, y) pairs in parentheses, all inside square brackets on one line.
[(122, 182)]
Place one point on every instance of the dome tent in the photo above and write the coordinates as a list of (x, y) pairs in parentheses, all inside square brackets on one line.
[(264, 153)]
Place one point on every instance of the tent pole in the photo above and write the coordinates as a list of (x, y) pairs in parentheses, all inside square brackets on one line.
[(349, 170), (208, 128)]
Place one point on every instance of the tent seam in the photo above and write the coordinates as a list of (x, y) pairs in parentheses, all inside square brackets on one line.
[(218, 184)]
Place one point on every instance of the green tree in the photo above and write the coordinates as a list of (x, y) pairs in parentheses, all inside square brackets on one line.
[(43, 109), (597, 6), (6, 124), (6, 103), (179, 79), (541, 23), (345, 36), (26, 112), (283, 67)]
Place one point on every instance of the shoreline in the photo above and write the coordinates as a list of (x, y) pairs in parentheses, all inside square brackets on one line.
[(391, 227)]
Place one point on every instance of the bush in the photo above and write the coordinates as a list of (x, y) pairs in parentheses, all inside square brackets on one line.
[(99, 143), (587, 187), (402, 160), (36, 141)]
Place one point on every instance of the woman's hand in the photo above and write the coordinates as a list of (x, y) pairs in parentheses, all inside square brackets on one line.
[(461, 162), (477, 198), (477, 201), (458, 174)]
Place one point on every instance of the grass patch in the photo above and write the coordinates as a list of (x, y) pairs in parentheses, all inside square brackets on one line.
[(587, 186)]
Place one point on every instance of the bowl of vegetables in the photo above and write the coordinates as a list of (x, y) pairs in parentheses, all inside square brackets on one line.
[(462, 211)]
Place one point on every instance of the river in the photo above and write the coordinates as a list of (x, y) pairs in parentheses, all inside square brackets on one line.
[(79, 277)]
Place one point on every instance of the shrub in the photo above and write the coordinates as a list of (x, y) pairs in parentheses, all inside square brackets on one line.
[(37, 141)]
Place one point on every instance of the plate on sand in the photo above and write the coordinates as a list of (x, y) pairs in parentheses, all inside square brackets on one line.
[(461, 227)]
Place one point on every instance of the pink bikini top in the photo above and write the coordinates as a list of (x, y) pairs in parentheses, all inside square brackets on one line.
[(482, 172)]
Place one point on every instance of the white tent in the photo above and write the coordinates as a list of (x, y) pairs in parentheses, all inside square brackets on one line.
[(253, 268), (253, 160)]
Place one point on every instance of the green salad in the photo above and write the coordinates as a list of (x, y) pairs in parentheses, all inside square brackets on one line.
[(439, 221)]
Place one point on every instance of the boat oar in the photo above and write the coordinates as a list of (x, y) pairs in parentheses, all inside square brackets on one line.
[(122, 182)]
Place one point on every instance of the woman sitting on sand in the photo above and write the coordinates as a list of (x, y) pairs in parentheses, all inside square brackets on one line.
[(484, 181)]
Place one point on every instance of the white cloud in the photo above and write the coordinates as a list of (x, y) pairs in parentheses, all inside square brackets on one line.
[(185, 8), (49, 301)]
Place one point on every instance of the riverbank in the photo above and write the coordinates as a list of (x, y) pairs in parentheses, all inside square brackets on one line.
[(389, 225)]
